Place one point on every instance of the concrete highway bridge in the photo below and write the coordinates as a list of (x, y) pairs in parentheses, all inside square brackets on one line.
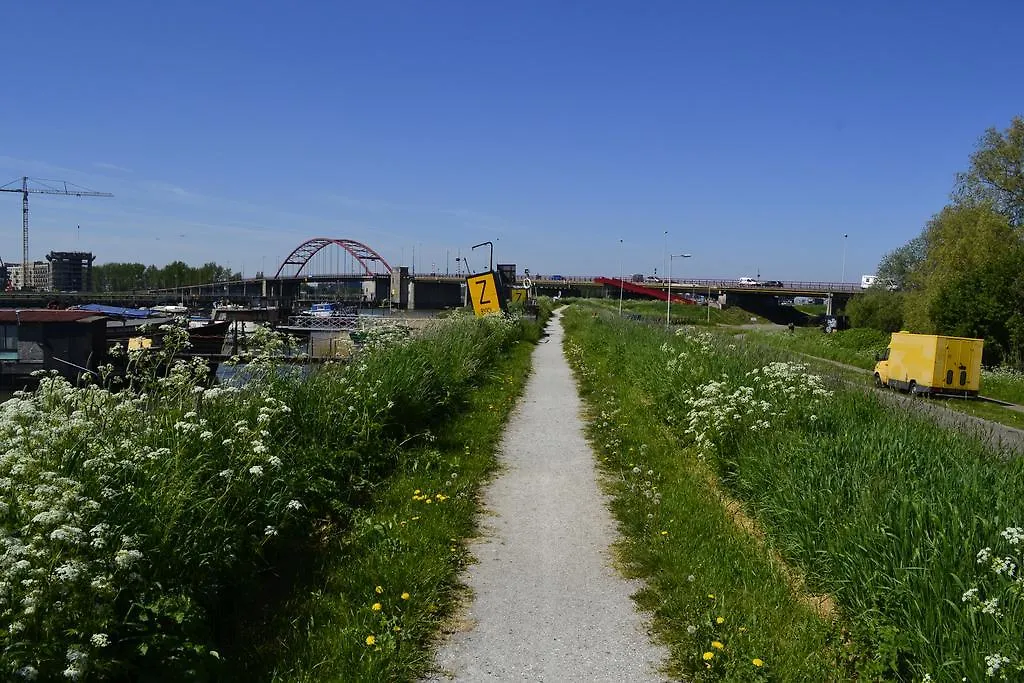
[(332, 269)]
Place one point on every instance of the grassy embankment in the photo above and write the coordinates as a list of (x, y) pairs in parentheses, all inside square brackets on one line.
[(171, 522), (877, 508), (393, 576), (857, 347), (682, 314)]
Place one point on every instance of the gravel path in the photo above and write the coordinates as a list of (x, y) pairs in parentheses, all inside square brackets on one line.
[(547, 605)]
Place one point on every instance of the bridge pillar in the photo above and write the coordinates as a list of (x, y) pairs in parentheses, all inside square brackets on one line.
[(400, 287)]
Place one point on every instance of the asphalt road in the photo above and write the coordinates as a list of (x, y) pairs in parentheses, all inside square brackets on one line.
[(547, 603)]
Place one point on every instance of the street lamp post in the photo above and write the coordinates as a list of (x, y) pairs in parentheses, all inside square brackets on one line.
[(664, 255), (668, 302), (620, 278), (844, 257)]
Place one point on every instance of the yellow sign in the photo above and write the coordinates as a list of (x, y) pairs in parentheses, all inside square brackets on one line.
[(483, 291), (519, 295)]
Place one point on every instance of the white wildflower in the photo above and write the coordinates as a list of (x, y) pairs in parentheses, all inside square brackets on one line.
[(1013, 534), (994, 662), (1004, 565), (256, 471), (100, 640), (991, 606), (126, 558)]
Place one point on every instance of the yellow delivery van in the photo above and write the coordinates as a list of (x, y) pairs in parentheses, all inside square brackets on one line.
[(931, 364)]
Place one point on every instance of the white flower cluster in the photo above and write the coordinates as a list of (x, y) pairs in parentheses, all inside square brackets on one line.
[(381, 334), (696, 344), (66, 453), (999, 592), (74, 462), (768, 394), (993, 663)]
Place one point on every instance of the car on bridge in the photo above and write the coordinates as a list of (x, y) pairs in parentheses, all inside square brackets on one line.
[(771, 283), (747, 282)]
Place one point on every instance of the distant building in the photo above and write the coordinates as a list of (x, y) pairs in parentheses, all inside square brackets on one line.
[(71, 271), (71, 342), (38, 276)]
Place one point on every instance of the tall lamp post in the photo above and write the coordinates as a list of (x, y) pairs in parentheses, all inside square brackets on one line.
[(620, 278), (668, 303), (844, 257), (664, 255)]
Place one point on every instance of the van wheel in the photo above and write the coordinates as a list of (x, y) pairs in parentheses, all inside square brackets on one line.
[(878, 381)]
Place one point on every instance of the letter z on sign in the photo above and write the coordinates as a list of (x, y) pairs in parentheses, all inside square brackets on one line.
[(483, 290)]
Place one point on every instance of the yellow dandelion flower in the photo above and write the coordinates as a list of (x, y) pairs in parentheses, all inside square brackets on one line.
[(405, 596), (397, 629), (708, 656), (711, 595), (758, 662), (428, 501), (371, 640), (664, 533), (379, 590), (720, 620), (717, 645), (376, 607), (416, 492)]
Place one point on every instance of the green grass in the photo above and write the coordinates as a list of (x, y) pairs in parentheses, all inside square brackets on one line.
[(856, 376), (1003, 384), (168, 521), (811, 309), (853, 347), (403, 544), (858, 347), (874, 505), (697, 563), (682, 314)]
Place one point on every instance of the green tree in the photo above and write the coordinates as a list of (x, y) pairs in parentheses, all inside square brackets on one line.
[(878, 309), (900, 264), (962, 274), (959, 240), (125, 277), (996, 175), (986, 302)]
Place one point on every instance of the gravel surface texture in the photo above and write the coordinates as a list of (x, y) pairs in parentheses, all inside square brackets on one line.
[(547, 604)]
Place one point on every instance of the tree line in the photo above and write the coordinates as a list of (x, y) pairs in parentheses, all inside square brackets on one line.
[(128, 277), (964, 274)]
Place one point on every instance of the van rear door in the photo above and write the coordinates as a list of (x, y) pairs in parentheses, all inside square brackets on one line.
[(957, 365)]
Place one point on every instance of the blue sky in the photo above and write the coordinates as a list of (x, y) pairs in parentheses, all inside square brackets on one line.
[(756, 133)]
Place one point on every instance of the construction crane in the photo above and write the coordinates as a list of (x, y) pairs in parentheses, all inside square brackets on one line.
[(46, 187)]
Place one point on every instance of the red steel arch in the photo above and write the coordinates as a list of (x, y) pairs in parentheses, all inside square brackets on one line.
[(305, 251)]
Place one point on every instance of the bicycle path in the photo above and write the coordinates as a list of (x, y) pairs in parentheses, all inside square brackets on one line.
[(547, 604)]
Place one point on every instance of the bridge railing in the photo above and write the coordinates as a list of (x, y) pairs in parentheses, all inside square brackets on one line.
[(795, 286), (334, 322)]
